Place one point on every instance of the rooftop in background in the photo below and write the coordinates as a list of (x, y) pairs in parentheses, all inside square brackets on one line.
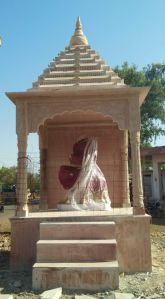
[(157, 150), (77, 65)]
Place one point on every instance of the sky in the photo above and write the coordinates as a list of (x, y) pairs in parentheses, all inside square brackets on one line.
[(35, 31)]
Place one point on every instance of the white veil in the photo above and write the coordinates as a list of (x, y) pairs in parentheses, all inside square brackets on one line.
[(90, 191)]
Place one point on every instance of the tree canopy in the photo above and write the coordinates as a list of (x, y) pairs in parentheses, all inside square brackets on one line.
[(8, 179), (153, 108)]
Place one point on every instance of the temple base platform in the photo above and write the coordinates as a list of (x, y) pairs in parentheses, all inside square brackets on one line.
[(132, 236)]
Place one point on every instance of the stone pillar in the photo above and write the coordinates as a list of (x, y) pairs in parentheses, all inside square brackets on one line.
[(138, 204), (124, 170), (22, 197), (43, 169)]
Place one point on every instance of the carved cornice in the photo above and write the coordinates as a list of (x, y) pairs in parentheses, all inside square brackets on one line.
[(38, 114), (121, 104)]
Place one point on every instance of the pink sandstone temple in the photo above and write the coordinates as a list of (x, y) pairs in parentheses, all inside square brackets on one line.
[(86, 230)]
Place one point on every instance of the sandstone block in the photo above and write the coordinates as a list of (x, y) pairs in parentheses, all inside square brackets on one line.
[(6, 296), (76, 276), (52, 294), (123, 295), (77, 230), (84, 297), (76, 251)]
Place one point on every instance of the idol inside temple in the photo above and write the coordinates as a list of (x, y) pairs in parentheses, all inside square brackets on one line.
[(85, 182)]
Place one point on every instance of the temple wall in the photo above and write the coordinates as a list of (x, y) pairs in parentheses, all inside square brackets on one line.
[(60, 144)]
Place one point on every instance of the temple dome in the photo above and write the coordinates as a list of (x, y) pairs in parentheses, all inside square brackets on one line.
[(77, 65)]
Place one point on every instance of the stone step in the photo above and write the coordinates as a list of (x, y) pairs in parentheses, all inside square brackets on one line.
[(77, 230), (76, 276), (76, 250)]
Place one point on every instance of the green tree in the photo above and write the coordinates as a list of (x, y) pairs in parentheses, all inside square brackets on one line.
[(153, 108), (8, 178)]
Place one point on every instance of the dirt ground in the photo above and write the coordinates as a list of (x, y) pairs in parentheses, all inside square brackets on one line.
[(142, 285)]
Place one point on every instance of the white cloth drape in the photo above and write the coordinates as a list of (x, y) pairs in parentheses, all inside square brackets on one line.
[(90, 190)]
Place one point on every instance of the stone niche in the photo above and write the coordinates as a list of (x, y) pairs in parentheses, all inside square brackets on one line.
[(60, 140)]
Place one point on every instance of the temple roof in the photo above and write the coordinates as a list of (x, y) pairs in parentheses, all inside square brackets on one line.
[(151, 151), (77, 65)]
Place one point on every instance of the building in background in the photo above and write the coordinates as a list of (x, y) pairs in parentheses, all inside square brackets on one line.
[(154, 173)]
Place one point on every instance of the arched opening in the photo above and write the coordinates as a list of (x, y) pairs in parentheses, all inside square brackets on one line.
[(57, 136)]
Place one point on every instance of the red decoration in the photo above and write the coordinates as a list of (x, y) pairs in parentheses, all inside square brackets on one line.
[(68, 174)]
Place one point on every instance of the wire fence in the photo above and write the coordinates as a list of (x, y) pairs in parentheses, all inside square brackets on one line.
[(8, 181)]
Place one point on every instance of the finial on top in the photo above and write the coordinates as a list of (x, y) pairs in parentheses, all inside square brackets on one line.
[(78, 23), (78, 38)]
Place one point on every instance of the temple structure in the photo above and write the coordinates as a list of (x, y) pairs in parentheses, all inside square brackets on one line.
[(79, 95)]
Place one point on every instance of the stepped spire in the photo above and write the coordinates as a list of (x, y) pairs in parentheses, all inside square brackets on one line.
[(78, 65), (78, 38)]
